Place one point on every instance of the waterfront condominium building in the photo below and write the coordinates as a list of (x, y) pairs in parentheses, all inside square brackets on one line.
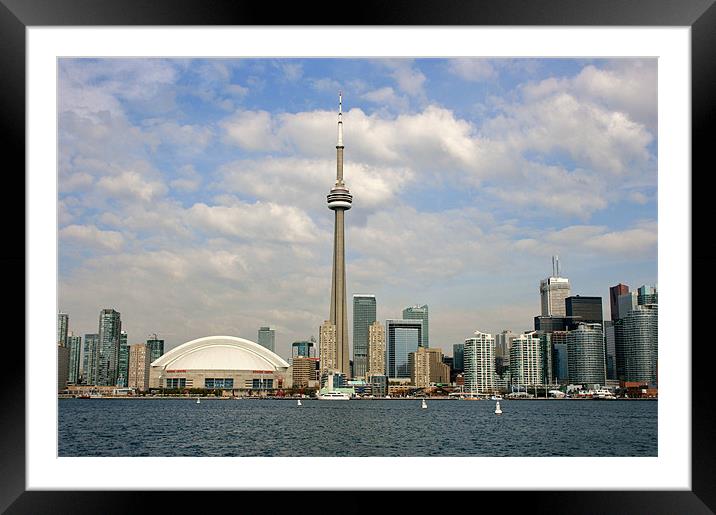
[(156, 348), (90, 359), (75, 345), (458, 357), (62, 324), (479, 375), (610, 349), (636, 339), (267, 338), (138, 366), (419, 312), (327, 347), (585, 355), (401, 338), (376, 350), (427, 367), (526, 360), (123, 361), (553, 291), (546, 354), (364, 311), (110, 327), (614, 293), (587, 310)]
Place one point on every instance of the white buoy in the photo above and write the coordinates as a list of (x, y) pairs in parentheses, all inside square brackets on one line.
[(498, 411), (299, 402), (424, 404), (198, 401)]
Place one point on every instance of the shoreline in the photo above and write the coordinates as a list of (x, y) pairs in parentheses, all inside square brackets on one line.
[(212, 398)]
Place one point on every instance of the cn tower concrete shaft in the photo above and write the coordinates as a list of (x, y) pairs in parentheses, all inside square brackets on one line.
[(340, 200)]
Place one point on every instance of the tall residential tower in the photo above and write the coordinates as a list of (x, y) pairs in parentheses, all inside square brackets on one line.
[(339, 201)]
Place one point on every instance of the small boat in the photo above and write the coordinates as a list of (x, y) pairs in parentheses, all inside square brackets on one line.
[(299, 402), (424, 404), (498, 411), (496, 397), (198, 401)]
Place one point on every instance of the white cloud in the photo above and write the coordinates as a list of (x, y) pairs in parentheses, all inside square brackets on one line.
[(92, 237), (472, 69), (133, 185)]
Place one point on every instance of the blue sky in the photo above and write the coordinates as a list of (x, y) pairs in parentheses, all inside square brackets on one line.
[(192, 191)]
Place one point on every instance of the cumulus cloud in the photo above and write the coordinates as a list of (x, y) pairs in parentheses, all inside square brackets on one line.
[(471, 69), (92, 237)]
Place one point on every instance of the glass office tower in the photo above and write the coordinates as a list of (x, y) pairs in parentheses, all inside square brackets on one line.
[(364, 312), (402, 338)]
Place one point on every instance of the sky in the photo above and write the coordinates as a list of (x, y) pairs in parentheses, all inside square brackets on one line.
[(192, 192)]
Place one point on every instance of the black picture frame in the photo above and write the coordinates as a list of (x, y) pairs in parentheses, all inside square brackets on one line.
[(17, 15)]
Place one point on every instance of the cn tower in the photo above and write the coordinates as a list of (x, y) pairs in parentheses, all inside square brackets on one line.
[(339, 200)]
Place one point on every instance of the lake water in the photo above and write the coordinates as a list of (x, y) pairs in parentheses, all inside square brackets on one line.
[(389, 428)]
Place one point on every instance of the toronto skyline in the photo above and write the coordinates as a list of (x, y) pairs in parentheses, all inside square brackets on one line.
[(192, 192)]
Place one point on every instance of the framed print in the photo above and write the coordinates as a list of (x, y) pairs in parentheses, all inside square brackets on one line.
[(201, 191)]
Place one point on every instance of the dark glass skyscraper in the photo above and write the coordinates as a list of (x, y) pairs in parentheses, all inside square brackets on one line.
[(156, 348), (458, 355), (110, 327), (614, 293), (586, 310), (364, 312), (402, 337), (62, 324), (419, 313), (302, 348), (647, 295), (267, 338)]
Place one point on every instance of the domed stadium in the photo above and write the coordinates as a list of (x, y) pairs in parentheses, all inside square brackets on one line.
[(220, 362)]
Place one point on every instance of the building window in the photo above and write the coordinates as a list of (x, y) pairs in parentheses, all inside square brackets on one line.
[(211, 382), (176, 382)]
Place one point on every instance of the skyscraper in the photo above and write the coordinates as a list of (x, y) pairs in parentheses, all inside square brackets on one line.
[(553, 291), (587, 310), (156, 348), (123, 361), (63, 366), (526, 359), (479, 373), (458, 354), (637, 346), (614, 293), (110, 327), (419, 312), (339, 201), (426, 367), (585, 355), (401, 338), (90, 359), (75, 345), (138, 366), (327, 347), (647, 295), (364, 309), (267, 338), (376, 350), (62, 324), (302, 349)]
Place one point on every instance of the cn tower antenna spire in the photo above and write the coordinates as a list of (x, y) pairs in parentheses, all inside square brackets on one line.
[(340, 119)]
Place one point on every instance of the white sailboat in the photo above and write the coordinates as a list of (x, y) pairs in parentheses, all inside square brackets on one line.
[(424, 404), (498, 411)]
